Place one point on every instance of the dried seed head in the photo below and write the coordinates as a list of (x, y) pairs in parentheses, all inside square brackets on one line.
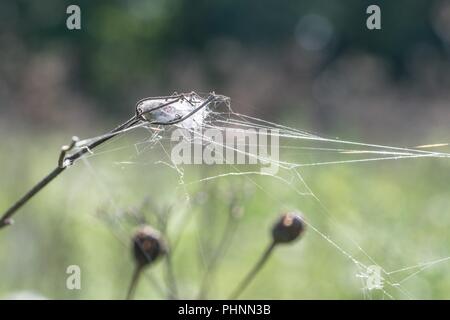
[(148, 246), (288, 228)]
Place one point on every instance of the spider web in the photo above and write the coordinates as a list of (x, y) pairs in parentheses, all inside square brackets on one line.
[(299, 150)]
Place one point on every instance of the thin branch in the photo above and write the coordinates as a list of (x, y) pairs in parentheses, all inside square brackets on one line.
[(6, 218), (171, 279), (63, 163), (134, 281), (224, 242), (251, 275), (163, 221)]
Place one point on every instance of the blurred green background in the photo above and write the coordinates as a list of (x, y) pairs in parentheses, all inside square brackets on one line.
[(311, 65)]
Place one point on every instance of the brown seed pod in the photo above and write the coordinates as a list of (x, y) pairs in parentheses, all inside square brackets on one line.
[(288, 228), (148, 246)]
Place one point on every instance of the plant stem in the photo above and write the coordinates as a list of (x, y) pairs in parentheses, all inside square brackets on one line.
[(6, 217), (217, 254), (172, 283), (6, 220), (134, 282), (253, 272)]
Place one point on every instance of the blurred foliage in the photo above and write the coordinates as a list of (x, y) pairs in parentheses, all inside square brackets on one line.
[(123, 42)]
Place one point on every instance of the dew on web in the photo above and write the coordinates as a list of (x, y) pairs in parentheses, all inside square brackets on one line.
[(298, 150)]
